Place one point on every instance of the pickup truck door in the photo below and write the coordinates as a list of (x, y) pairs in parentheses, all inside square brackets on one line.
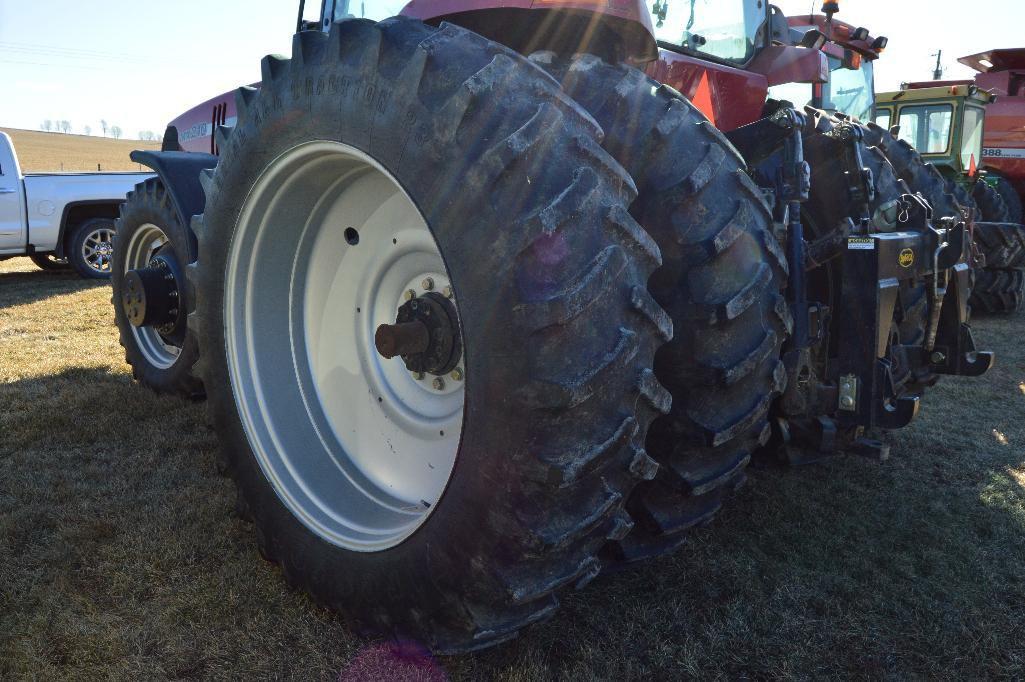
[(12, 216)]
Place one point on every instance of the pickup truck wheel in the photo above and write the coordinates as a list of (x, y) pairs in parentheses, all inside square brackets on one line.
[(50, 262), (151, 239), (91, 248), (427, 350)]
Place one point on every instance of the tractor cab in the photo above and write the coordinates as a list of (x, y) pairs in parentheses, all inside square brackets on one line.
[(851, 53), (944, 123)]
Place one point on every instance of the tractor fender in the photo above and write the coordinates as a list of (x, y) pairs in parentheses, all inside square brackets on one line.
[(179, 172)]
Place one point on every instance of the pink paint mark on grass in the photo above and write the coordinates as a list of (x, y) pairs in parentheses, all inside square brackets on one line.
[(393, 661)]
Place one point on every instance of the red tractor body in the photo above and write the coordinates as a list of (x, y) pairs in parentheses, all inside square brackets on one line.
[(730, 95)]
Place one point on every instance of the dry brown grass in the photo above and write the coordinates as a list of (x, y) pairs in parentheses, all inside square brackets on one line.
[(40, 152), (120, 555)]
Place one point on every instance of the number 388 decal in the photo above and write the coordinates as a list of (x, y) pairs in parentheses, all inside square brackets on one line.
[(1003, 153)]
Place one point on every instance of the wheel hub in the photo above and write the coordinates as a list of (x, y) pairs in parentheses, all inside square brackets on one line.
[(150, 295), (425, 335), (333, 274), (98, 249)]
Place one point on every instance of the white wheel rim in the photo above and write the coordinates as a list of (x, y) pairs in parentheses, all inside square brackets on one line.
[(98, 249), (145, 243), (354, 445)]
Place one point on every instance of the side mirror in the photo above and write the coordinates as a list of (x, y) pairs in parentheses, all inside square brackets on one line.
[(813, 39)]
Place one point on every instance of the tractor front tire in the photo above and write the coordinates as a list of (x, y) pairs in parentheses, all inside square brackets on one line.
[(395, 166), (161, 359), (992, 208), (721, 281), (998, 291), (1011, 199), (1003, 244)]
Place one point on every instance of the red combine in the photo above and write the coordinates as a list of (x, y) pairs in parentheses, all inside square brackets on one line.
[(1002, 73), (481, 304)]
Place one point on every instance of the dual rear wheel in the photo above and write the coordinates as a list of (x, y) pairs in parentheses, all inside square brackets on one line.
[(423, 312)]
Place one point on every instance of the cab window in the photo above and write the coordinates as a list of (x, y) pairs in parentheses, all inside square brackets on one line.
[(727, 30), (883, 118), (364, 9), (927, 127), (971, 136), (851, 87)]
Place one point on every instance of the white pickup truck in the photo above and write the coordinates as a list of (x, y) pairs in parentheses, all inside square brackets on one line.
[(60, 219)]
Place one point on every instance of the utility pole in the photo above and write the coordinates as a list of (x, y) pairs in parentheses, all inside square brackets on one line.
[(937, 73)]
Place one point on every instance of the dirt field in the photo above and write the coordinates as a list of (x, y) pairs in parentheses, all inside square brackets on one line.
[(40, 152), (121, 556)]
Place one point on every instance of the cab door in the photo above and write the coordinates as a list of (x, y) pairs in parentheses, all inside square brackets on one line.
[(12, 217)]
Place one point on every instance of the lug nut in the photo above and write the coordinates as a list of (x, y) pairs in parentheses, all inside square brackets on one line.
[(938, 357), (457, 374), (847, 402), (419, 376), (409, 295), (438, 383), (427, 284), (447, 291)]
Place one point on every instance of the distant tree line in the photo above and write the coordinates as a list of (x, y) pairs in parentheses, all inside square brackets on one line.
[(50, 125), (56, 126)]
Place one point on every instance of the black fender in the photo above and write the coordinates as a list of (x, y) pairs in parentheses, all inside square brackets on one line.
[(179, 172)]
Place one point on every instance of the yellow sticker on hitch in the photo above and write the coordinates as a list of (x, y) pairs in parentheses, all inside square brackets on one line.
[(906, 258)]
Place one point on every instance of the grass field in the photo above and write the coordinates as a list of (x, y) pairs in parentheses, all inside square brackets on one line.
[(121, 556), (41, 152)]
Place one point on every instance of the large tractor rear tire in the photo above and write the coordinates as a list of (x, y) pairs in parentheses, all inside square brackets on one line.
[(998, 291), (398, 173), (992, 208), (149, 234), (1003, 244), (721, 282), (1011, 199), (919, 175)]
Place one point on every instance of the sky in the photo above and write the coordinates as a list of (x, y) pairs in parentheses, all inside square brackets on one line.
[(139, 64)]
